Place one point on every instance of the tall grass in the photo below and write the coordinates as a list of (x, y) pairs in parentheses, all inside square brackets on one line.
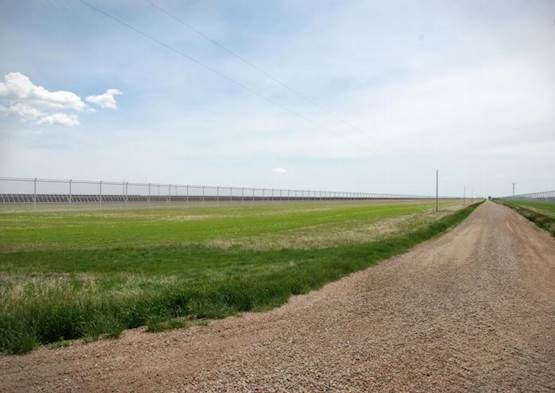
[(127, 288)]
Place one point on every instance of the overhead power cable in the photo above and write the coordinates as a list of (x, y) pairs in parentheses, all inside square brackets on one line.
[(197, 62), (250, 64)]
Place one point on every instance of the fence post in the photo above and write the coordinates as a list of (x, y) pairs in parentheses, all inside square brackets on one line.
[(100, 193), (169, 192), (243, 194), (35, 192), (187, 193), (217, 193), (70, 192), (126, 192), (253, 194), (203, 193)]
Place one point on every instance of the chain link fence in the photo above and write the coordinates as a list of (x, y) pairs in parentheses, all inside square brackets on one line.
[(548, 196), (68, 191)]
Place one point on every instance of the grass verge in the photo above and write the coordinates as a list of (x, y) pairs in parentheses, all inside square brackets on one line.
[(543, 221), (35, 313)]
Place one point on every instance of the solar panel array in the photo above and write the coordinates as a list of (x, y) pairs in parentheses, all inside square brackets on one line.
[(34, 190)]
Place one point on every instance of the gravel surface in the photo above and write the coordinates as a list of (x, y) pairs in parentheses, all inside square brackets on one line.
[(473, 310)]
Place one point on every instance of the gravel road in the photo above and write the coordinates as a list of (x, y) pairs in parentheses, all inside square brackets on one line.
[(473, 310)]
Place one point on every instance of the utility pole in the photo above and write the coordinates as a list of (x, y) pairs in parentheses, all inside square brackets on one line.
[(437, 190), (514, 184)]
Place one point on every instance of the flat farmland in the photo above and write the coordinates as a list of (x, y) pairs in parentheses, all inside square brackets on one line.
[(543, 207), (88, 274)]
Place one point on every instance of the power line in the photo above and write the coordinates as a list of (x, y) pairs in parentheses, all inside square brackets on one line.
[(249, 63), (196, 61)]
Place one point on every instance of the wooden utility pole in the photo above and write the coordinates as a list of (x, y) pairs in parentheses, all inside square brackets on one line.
[(437, 190)]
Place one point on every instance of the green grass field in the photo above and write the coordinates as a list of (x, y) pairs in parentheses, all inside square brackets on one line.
[(84, 274), (543, 207)]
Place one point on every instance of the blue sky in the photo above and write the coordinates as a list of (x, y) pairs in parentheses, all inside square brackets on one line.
[(400, 88)]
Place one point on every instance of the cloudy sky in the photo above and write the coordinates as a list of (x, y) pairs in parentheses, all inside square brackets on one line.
[(338, 95)]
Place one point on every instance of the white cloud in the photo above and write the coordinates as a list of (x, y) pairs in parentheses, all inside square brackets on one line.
[(61, 119), (105, 100), (31, 102), (25, 112), (19, 87), (279, 171)]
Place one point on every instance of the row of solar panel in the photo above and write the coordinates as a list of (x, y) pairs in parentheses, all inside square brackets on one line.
[(65, 198)]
